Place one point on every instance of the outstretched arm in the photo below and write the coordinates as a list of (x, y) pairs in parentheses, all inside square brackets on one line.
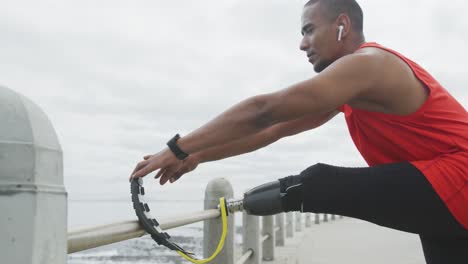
[(341, 82), (263, 138), (244, 145)]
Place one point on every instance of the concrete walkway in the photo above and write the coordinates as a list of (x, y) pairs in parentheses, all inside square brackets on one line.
[(350, 241)]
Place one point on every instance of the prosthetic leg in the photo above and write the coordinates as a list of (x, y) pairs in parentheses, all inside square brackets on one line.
[(271, 198)]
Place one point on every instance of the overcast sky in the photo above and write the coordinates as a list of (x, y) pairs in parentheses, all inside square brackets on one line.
[(120, 78)]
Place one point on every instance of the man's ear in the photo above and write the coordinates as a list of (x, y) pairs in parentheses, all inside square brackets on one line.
[(343, 26)]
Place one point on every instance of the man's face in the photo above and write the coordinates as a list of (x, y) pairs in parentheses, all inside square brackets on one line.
[(319, 37)]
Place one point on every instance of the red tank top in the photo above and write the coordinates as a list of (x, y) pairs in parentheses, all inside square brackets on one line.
[(434, 139)]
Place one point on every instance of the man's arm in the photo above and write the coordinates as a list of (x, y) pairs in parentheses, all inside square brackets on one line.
[(343, 81), (263, 138), (244, 145)]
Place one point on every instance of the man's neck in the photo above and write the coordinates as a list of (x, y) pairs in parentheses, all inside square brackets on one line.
[(354, 44)]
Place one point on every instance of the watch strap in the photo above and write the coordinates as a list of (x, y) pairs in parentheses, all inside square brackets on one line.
[(172, 144)]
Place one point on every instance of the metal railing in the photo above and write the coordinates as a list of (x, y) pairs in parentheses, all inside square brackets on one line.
[(258, 243)]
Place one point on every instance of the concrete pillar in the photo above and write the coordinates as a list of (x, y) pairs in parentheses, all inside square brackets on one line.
[(213, 228), (251, 235), (325, 217), (308, 220), (33, 200), (268, 248), (317, 219), (289, 224), (298, 219), (281, 233)]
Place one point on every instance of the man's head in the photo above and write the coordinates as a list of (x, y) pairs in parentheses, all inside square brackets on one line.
[(323, 40)]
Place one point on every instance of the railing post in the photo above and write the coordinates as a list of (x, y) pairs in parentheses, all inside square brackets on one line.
[(251, 235), (308, 221), (325, 217), (298, 216), (268, 248), (212, 229), (33, 200), (281, 233), (333, 217), (317, 218), (289, 225)]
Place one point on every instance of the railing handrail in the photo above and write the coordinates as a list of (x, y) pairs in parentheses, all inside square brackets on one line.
[(97, 236)]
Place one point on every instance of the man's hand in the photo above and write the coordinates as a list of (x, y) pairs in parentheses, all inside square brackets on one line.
[(163, 161), (170, 168), (188, 165)]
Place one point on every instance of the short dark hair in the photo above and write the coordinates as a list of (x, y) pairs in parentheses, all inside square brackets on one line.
[(333, 8)]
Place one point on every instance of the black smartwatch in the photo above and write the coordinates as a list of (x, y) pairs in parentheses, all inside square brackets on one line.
[(172, 144)]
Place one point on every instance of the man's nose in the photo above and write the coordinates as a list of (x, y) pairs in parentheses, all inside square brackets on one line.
[(304, 45)]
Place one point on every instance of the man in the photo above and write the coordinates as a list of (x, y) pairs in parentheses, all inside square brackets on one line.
[(411, 132)]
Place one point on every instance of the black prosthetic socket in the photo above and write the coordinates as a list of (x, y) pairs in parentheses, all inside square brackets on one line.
[(275, 197), (291, 188), (264, 199)]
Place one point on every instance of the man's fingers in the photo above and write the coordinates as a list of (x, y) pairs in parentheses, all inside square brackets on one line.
[(176, 176), (167, 175), (139, 166), (160, 172), (143, 171), (147, 157)]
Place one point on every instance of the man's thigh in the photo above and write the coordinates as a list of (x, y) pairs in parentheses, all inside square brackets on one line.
[(393, 195)]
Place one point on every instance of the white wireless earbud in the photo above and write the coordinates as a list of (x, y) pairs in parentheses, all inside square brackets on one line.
[(340, 31)]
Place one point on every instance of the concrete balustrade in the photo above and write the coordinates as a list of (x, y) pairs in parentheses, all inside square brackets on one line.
[(281, 232), (33, 200), (251, 235), (289, 225), (268, 230), (308, 220), (212, 228)]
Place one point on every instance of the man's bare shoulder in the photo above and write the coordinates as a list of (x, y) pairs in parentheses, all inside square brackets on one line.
[(366, 60), (396, 89), (381, 56), (371, 51)]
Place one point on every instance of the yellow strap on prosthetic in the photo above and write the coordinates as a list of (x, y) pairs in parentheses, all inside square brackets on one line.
[(222, 205)]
